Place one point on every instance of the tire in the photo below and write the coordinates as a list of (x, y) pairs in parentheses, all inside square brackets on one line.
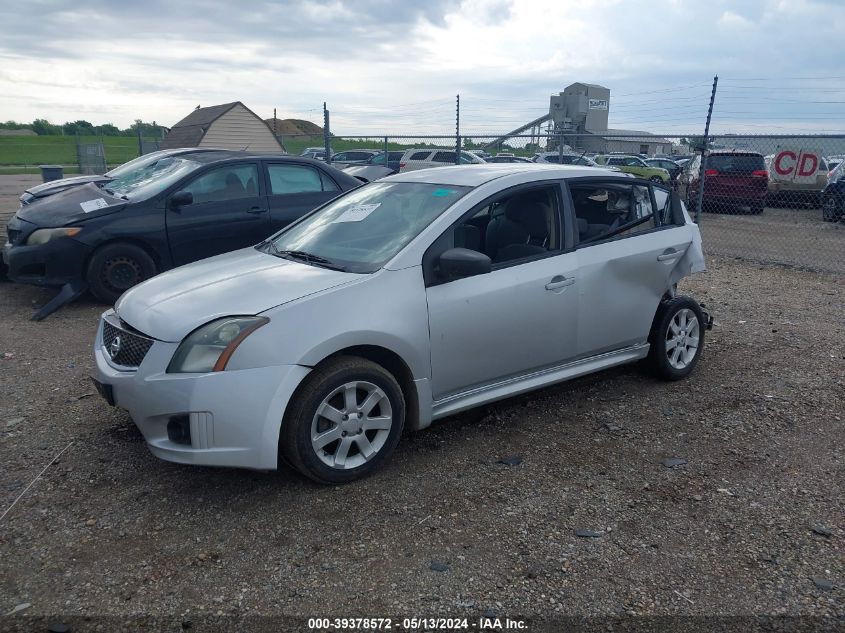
[(326, 389), (829, 211), (757, 209), (116, 267), (656, 180), (663, 360)]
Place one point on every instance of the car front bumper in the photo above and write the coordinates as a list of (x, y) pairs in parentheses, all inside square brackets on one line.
[(228, 418), (52, 264)]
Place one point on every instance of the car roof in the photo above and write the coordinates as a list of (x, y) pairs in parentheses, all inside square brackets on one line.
[(205, 156), (475, 175)]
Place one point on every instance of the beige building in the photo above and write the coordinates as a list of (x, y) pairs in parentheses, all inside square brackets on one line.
[(226, 126)]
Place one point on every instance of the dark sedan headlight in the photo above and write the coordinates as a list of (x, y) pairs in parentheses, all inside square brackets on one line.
[(210, 347), (42, 236)]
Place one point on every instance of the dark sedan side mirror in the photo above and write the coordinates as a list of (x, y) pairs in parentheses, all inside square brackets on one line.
[(463, 262), (181, 199)]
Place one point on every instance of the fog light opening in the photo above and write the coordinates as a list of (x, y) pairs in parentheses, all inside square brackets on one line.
[(179, 429)]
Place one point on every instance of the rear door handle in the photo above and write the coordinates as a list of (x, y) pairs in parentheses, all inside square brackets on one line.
[(256, 210), (559, 281), (667, 257)]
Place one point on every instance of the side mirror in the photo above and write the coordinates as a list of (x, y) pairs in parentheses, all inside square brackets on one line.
[(463, 262), (181, 199)]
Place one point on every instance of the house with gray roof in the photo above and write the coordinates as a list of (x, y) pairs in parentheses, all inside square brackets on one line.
[(225, 126)]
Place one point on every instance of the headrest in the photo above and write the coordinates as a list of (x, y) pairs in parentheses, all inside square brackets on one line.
[(530, 214)]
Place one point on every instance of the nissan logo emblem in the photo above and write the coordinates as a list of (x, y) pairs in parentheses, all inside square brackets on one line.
[(114, 347)]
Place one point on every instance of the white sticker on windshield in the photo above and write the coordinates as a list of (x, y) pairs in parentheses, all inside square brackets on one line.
[(358, 212), (93, 205)]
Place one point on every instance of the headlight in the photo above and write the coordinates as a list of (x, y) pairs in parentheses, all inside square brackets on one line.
[(210, 347), (42, 236)]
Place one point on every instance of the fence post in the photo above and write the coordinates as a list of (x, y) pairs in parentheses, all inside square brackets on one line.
[(326, 134), (704, 145), (560, 148), (386, 152), (457, 129), (140, 142)]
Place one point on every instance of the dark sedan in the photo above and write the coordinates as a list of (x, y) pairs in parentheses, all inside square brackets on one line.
[(833, 196), (177, 210)]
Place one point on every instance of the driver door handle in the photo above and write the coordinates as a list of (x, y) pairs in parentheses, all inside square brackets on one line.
[(256, 210), (559, 281)]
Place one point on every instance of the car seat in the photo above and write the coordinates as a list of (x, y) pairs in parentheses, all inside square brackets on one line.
[(522, 231)]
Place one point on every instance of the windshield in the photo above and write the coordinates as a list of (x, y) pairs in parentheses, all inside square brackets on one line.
[(147, 181), (362, 230), (136, 163)]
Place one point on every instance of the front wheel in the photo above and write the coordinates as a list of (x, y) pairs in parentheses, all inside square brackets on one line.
[(116, 267), (677, 338), (344, 422), (656, 180)]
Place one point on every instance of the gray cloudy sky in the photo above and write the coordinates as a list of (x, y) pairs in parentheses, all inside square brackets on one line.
[(394, 66)]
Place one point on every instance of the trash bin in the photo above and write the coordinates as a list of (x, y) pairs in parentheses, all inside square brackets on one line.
[(51, 172)]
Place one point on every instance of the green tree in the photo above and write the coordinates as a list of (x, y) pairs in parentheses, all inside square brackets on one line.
[(43, 127)]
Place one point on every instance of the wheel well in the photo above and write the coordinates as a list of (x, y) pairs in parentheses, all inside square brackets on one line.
[(393, 363), (122, 240)]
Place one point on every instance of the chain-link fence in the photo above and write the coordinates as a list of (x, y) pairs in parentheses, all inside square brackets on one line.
[(773, 199)]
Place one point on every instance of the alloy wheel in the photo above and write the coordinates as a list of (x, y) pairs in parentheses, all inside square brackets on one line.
[(682, 338), (351, 425)]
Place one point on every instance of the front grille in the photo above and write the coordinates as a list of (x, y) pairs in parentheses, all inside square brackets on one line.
[(129, 350)]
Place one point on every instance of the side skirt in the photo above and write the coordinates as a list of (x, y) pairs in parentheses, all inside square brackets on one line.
[(535, 380)]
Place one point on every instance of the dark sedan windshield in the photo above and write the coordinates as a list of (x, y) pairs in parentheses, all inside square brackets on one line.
[(362, 230), (150, 179)]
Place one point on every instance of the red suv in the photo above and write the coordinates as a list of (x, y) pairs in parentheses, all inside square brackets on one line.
[(732, 181)]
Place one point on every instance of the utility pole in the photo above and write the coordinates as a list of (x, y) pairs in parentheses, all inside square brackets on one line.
[(457, 129), (703, 149), (326, 134)]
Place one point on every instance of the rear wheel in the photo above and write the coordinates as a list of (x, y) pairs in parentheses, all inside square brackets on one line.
[(344, 422), (116, 267), (677, 338), (757, 208)]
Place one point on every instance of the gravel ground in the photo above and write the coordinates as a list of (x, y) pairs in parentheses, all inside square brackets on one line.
[(750, 524)]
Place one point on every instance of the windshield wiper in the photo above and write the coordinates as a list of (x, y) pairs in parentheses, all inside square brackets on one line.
[(309, 258), (115, 194)]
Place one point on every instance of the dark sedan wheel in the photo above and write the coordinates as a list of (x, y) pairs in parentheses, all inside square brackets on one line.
[(116, 267), (829, 211), (344, 421), (656, 180)]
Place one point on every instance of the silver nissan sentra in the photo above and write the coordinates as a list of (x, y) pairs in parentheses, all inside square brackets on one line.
[(406, 300)]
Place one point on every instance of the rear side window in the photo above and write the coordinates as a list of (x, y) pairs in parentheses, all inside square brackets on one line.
[(289, 179), (419, 156), (444, 157), (612, 209), (735, 163)]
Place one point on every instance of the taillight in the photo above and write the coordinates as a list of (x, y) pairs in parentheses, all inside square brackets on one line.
[(760, 173), (401, 165), (711, 172)]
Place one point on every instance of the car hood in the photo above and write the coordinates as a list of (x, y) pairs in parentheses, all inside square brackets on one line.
[(55, 186), (244, 282), (66, 207)]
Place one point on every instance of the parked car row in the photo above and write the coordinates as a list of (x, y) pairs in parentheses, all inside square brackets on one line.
[(269, 349)]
